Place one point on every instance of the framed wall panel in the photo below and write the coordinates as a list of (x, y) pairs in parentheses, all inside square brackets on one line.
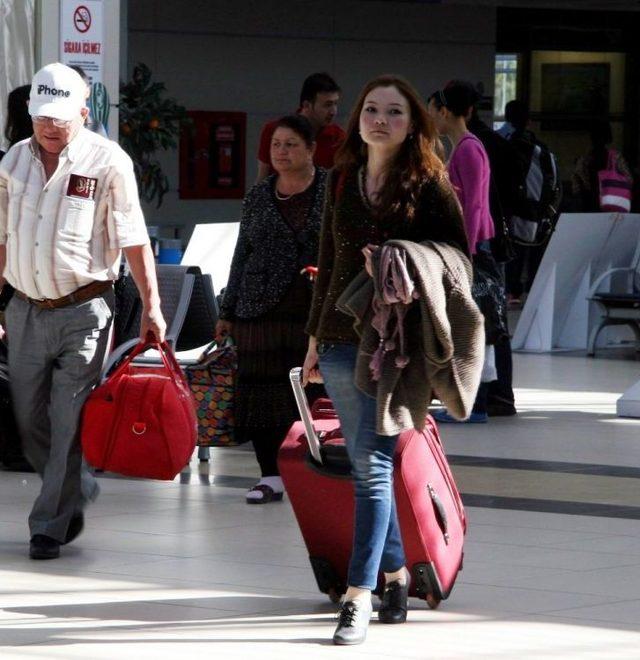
[(212, 156)]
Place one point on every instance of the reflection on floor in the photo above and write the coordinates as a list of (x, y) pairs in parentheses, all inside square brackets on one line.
[(186, 569)]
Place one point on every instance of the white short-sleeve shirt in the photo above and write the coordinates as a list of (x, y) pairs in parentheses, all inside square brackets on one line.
[(67, 232)]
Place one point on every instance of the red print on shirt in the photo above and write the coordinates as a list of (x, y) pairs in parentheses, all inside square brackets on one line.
[(82, 186)]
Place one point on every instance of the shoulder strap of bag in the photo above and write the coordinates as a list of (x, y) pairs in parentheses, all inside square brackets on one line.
[(212, 347), (502, 238)]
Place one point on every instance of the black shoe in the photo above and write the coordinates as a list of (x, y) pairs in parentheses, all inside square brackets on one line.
[(394, 603), (499, 409), (75, 528), (43, 547), (353, 620)]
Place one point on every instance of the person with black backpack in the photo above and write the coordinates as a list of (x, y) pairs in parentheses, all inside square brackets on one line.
[(538, 201)]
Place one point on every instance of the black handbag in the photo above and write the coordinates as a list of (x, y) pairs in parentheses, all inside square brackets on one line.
[(489, 294)]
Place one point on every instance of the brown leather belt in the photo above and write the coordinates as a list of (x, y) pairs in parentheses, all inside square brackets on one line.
[(80, 295)]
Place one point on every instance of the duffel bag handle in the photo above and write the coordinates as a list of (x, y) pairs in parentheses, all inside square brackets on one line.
[(166, 354)]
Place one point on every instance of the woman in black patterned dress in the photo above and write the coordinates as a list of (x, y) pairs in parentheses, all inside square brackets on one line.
[(267, 298)]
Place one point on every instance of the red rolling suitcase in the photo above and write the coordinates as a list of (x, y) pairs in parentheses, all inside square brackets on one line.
[(315, 470)]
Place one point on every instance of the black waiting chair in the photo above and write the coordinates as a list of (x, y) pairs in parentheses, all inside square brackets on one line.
[(175, 285), (621, 305)]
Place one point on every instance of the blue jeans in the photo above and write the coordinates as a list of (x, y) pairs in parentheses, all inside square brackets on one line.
[(377, 543)]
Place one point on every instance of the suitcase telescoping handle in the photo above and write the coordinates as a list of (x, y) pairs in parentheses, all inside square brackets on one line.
[(295, 376)]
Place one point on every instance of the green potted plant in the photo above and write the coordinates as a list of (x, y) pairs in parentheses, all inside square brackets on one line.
[(148, 123)]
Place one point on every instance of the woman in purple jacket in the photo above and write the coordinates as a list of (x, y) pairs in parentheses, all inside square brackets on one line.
[(470, 175), (468, 163)]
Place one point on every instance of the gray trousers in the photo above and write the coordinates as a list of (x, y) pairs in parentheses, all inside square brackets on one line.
[(55, 359)]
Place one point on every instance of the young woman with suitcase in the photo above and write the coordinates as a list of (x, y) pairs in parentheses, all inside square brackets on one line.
[(388, 184)]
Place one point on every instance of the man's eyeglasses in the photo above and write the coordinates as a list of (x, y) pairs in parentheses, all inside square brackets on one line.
[(58, 123)]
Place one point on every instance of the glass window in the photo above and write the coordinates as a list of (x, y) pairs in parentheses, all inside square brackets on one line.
[(505, 85)]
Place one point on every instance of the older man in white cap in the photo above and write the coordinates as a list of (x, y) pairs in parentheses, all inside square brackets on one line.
[(68, 207)]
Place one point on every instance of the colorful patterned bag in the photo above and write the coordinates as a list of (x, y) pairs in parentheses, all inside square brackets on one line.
[(212, 381)]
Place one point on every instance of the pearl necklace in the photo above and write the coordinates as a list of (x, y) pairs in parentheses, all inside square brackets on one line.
[(284, 198)]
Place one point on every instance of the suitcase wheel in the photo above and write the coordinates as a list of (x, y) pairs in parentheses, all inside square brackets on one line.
[(334, 596), (433, 601)]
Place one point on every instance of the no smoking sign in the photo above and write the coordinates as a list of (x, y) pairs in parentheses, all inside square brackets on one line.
[(82, 18), (82, 35)]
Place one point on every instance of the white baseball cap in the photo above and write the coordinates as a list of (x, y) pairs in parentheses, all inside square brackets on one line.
[(57, 91)]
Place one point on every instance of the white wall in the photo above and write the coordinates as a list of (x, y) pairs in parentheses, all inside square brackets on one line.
[(252, 56)]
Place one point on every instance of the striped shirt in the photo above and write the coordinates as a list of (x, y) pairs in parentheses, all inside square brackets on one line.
[(67, 232)]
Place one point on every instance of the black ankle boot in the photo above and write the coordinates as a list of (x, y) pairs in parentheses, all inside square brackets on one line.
[(394, 603)]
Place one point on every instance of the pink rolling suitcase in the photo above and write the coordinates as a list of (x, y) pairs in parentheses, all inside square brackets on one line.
[(315, 470)]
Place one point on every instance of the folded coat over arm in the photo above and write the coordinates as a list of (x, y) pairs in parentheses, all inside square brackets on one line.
[(444, 332)]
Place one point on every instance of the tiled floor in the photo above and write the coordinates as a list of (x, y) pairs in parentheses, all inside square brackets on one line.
[(187, 570)]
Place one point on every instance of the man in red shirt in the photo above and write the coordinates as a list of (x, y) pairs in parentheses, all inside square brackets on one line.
[(319, 104)]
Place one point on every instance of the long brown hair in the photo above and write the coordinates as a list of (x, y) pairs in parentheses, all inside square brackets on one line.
[(416, 161)]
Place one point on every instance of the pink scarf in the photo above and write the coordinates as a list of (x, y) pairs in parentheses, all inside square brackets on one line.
[(394, 292)]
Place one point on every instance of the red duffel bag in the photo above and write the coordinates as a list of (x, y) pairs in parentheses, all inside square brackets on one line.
[(141, 421)]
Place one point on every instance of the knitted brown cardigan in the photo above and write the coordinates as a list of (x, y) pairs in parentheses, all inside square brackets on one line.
[(445, 340)]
